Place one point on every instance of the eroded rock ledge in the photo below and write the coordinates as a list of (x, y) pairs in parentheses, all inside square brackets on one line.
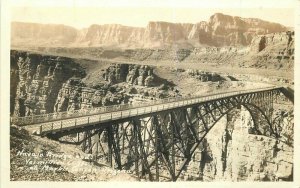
[(45, 84)]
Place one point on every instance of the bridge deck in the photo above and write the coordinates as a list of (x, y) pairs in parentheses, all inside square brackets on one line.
[(81, 122)]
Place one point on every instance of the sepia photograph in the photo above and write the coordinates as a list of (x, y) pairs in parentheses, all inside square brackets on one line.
[(149, 91)]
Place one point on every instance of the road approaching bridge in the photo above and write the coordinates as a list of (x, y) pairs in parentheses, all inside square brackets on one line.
[(64, 121)]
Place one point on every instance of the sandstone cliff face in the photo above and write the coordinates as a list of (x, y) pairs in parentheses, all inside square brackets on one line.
[(115, 84), (165, 32), (132, 74), (270, 51), (264, 41), (228, 30), (230, 153), (45, 84), (111, 35), (276, 50), (76, 95), (220, 30), (38, 79)]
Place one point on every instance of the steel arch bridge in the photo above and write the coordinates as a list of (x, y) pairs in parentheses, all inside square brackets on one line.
[(159, 140)]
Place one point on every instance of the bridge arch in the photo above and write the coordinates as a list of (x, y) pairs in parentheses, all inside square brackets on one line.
[(261, 118)]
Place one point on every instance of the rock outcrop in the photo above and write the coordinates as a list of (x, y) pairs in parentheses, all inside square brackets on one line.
[(220, 30), (141, 75), (76, 95), (111, 34), (116, 73), (204, 76), (45, 84), (38, 80), (273, 49), (230, 153), (232, 31)]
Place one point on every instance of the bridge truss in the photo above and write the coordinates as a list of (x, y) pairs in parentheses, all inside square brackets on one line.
[(160, 145)]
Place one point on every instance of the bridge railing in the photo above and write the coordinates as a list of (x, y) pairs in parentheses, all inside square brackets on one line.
[(106, 109)]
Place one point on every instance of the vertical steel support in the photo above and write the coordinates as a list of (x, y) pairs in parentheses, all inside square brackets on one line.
[(123, 132), (97, 147), (89, 142), (155, 122), (109, 140), (116, 144), (136, 151), (173, 162), (144, 162)]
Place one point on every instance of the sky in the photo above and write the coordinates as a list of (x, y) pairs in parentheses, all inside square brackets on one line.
[(83, 13)]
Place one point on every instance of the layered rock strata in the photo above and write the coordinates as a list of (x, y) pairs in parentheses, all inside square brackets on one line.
[(45, 84), (219, 30), (38, 80)]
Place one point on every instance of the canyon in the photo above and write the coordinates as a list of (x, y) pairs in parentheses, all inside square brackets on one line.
[(48, 83), (57, 68)]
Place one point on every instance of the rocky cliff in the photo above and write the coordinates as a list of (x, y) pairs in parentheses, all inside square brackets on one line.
[(275, 50), (228, 30), (270, 51), (37, 80), (114, 85), (44, 84), (219, 30), (230, 153)]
